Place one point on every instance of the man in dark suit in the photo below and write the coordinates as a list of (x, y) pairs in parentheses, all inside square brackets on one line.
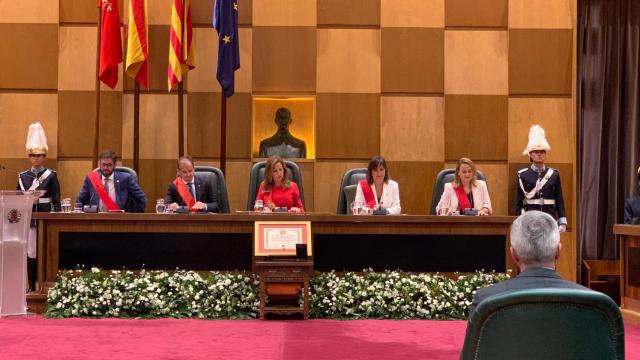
[(535, 247), (111, 190), (190, 190), (632, 207)]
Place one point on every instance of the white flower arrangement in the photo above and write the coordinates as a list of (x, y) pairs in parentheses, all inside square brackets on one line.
[(187, 294), (395, 295), (148, 294)]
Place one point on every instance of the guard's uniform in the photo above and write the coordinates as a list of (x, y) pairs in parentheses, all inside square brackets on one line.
[(547, 197), (48, 181)]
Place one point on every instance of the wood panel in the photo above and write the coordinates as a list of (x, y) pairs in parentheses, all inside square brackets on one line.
[(287, 59), (476, 62), (284, 12), (237, 177), (82, 11), (71, 174), (76, 111), (412, 60), (348, 126), (415, 180), (32, 11), (477, 13), (34, 56), (17, 111), (353, 12), (154, 178), (412, 13), (201, 11), (156, 112), (337, 70), (540, 14), (413, 128), (556, 118), (540, 61), (203, 125), (77, 65), (328, 177), (475, 127)]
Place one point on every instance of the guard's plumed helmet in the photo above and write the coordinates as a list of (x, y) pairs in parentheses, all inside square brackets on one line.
[(537, 140), (36, 140)]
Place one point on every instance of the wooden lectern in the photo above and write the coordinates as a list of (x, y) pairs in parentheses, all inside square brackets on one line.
[(629, 239)]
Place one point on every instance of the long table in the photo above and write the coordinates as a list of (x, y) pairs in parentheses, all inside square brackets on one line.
[(225, 242)]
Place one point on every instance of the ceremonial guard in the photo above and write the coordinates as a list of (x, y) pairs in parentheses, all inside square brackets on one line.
[(538, 187), (38, 178)]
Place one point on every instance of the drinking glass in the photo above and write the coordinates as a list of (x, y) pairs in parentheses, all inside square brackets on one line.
[(66, 205), (259, 206), (443, 211), (160, 206), (77, 208), (454, 211)]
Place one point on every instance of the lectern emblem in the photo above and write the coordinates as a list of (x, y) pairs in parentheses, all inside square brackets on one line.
[(14, 216)]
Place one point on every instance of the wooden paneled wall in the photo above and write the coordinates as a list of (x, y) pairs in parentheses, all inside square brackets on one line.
[(421, 82)]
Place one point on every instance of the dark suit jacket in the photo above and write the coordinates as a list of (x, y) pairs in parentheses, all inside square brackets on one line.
[(204, 193), (530, 278), (129, 195), (632, 210)]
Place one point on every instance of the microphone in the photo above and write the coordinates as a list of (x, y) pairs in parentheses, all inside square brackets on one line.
[(90, 208)]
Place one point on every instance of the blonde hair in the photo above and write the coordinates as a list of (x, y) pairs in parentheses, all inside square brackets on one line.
[(465, 161)]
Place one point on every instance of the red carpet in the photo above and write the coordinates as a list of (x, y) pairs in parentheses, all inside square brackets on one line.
[(113, 339)]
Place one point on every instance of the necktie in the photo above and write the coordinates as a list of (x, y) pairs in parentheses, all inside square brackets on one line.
[(103, 207), (192, 190)]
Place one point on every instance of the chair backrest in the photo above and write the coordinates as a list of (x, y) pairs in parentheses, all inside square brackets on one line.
[(443, 177), (351, 177), (218, 184), (257, 175), (350, 195), (545, 323)]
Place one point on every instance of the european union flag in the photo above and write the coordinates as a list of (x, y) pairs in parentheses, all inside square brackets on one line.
[(225, 20)]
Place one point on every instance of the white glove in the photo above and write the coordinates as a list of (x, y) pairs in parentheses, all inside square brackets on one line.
[(562, 228)]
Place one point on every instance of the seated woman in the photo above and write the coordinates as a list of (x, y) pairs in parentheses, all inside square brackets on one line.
[(276, 190), (377, 190), (465, 192)]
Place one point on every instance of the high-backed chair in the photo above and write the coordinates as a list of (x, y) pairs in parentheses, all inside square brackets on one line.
[(351, 177), (257, 175), (443, 177), (545, 323), (218, 184)]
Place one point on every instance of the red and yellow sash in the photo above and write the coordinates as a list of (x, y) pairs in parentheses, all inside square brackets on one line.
[(369, 198), (185, 193), (96, 181), (463, 200)]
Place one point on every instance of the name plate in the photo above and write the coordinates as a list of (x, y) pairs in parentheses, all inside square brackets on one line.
[(281, 237)]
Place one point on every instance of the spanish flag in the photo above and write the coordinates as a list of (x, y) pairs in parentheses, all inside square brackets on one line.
[(181, 57), (137, 65), (110, 42)]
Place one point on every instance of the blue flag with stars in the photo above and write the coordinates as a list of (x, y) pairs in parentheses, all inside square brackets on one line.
[(225, 21)]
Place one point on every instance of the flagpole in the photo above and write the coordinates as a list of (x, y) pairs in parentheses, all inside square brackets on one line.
[(223, 134), (136, 128), (96, 136), (181, 89)]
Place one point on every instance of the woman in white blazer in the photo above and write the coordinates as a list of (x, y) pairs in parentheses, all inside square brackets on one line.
[(377, 190), (466, 191)]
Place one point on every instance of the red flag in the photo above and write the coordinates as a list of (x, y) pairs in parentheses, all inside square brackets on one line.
[(181, 49), (110, 42)]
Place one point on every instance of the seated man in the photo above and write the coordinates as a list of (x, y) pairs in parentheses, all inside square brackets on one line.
[(190, 190), (110, 190), (535, 247)]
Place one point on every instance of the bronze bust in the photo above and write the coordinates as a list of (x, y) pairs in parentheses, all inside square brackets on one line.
[(282, 143)]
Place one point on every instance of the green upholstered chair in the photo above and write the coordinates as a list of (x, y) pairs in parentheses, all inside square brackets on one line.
[(218, 184), (350, 177), (350, 195), (545, 324)]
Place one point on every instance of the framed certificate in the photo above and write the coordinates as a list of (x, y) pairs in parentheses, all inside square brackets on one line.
[(281, 237)]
